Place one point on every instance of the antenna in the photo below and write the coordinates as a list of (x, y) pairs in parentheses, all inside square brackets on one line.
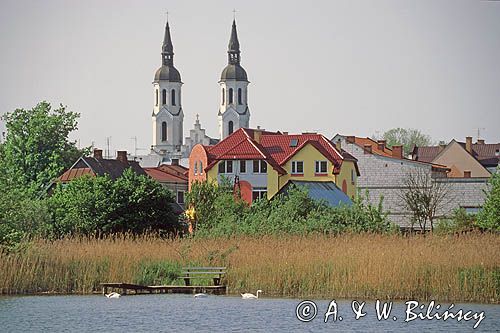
[(135, 143), (479, 132), (234, 14), (108, 154)]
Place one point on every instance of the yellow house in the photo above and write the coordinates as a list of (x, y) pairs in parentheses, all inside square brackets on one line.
[(261, 163)]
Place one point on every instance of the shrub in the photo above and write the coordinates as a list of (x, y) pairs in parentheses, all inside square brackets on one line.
[(489, 216)]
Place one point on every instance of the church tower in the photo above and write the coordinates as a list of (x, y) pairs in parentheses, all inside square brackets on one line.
[(167, 108), (233, 110)]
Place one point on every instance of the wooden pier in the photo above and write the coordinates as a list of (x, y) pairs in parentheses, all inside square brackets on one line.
[(188, 274), (135, 289)]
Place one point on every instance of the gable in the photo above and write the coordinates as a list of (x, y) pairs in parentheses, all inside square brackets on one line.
[(459, 160)]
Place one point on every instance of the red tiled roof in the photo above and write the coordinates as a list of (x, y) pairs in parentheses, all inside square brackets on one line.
[(426, 154), (274, 147), (162, 175)]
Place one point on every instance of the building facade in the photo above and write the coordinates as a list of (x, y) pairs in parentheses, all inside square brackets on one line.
[(261, 163)]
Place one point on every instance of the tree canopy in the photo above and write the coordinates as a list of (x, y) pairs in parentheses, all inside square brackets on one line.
[(37, 148), (489, 216), (407, 137)]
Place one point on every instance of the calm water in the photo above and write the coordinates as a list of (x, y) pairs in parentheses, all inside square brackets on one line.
[(183, 313)]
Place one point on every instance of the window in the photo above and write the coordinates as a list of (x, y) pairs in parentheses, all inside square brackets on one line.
[(164, 131), (259, 193), (180, 197), (222, 167), (173, 96), (223, 95), (259, 166), (195, 168), (226, 167), (230, 127), (163, 97), (297, 167), (321, 167), (294, 142), (243, 166), (156, 99), (353, 178), (230, 95), (239, 97), (200, 167)]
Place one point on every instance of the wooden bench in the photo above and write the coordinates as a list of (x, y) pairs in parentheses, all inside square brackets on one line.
[(215, 273)]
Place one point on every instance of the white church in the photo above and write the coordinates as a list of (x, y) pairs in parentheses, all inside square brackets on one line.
[(168, 116)]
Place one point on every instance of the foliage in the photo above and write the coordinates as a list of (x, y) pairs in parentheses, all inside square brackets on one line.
[(21, 217), (157, 273), (36, 147), (131, 203), (489, 216), (407, 138), (460, 221), (424, 197), (293, 213)]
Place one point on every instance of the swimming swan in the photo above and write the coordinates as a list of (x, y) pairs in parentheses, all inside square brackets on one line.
[(250, 295), (113, 295), (200, 295)]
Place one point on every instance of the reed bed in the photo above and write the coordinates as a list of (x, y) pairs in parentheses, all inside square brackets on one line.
[(445, 268)]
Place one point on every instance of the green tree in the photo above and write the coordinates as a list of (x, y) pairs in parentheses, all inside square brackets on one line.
[(489, 216), (407, 138), (98, 205), (36, 147)]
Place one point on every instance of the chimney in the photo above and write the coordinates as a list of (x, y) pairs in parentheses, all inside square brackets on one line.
[(338, 145), (468, 144), (480, 141), (381, 144), (175, 161), (467, 174), (257, 135), (397, 151), (121, 156), (98, 153), (350, 139), (368, 149)]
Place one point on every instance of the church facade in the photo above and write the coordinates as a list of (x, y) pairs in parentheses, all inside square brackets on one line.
[(168, 116)]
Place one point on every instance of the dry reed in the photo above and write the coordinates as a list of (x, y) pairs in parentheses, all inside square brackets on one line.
[(446, 268)]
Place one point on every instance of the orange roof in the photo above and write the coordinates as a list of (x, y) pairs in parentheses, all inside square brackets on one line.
[(362, 142), (71, 174), (165, 176)]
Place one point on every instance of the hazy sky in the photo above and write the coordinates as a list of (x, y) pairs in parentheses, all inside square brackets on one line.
[(353, 67)]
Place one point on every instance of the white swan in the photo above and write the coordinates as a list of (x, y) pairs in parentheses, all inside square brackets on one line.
[(113, 295), (200, 295), (250, 295)]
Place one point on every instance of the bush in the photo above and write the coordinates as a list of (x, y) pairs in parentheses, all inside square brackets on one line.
[(293, 213), (489, 216), (98, 205), (460, 221)]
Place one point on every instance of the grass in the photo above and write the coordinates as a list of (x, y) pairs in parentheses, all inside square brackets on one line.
[(446, 268)]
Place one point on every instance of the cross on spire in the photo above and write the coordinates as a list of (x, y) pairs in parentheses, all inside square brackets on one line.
[(234, 14)]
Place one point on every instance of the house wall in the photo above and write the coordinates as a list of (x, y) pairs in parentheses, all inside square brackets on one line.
[(198, 154), (383, 177), (309, 155), (345, 175), (458, 159)]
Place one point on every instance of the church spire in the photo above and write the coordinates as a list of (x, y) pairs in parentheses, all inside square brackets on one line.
[(233, 49), (167, 50)]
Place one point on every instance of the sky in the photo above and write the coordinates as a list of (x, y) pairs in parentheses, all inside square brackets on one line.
[(350, 67)]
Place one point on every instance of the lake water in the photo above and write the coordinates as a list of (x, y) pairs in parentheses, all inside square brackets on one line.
[(183, 313)]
